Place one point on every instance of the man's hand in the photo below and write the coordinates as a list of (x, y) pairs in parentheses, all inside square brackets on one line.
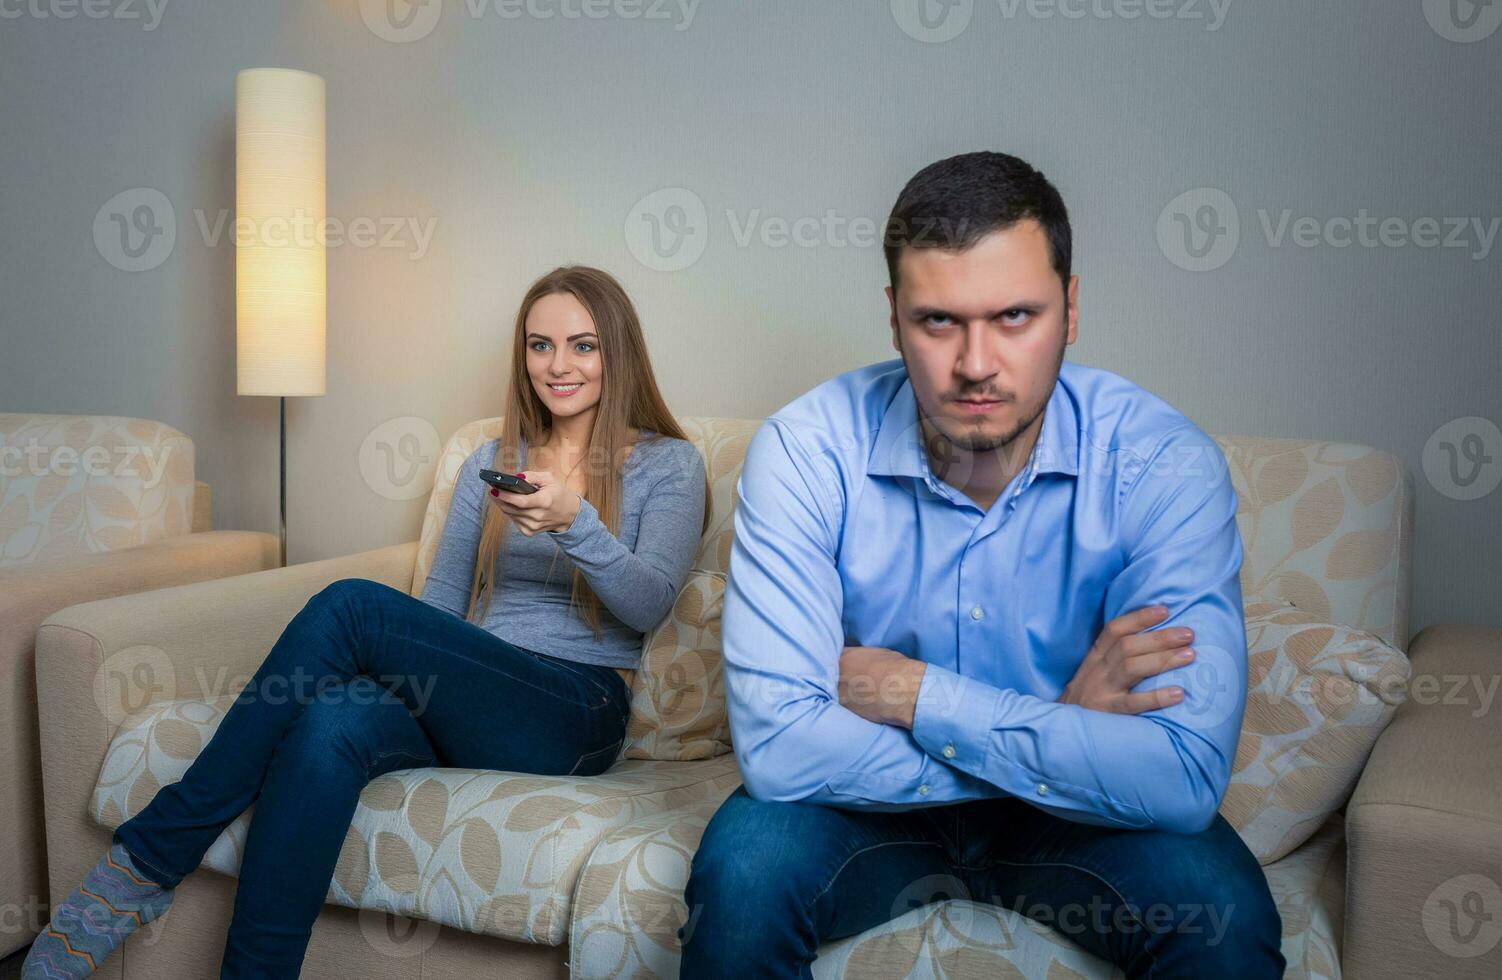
[(1124, 655), (880, 685)]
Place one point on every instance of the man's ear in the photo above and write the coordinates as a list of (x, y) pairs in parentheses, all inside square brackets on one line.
[(1074, 311), (892, 304)]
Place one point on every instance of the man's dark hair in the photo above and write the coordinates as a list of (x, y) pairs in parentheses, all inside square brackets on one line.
[(955, 203)]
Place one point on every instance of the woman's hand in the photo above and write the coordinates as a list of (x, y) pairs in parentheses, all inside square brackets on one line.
[(552, 508)]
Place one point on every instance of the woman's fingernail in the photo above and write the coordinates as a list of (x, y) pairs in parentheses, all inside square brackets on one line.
[(494, 492), (1177, 694), (1184, 655)]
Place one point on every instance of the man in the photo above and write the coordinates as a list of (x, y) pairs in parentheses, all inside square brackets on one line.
[(983, 632)]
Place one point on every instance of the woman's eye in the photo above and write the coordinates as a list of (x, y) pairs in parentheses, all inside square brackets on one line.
[(585, 343), (538, 345)]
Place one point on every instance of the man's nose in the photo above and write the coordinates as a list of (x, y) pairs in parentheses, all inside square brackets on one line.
[(977, 360)]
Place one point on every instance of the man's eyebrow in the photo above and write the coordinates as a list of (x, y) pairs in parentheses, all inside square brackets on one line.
[(1026, 306), (576, 336)]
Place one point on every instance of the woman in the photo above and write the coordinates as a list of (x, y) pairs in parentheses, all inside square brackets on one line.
[(533, 676)]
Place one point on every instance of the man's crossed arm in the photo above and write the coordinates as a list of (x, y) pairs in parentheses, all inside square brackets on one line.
[(1088, 756)]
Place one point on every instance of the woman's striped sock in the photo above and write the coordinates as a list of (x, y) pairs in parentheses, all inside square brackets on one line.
[(114, 901)]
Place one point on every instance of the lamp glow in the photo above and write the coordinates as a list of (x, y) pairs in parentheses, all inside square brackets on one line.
[(281, 282)]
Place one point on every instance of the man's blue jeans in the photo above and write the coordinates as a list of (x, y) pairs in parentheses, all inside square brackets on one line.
[(364, 680), (771, 882)]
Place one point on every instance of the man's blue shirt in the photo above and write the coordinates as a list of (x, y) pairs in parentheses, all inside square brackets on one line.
[(844, 537)]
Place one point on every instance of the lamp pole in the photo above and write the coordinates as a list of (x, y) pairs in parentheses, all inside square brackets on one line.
[(282, 469)]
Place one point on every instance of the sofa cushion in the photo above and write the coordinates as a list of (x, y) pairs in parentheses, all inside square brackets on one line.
[(1328, 525), (678, 708), (629, 907), (1318, 695), (79, 484), (495, 853)]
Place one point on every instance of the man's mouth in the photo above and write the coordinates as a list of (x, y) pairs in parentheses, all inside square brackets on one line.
[(975, 407)]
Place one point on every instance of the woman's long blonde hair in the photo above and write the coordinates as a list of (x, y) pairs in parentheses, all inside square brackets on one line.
[(629, 398)]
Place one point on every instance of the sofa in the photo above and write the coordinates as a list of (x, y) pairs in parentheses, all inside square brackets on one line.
[(447, 873), (91, 506)]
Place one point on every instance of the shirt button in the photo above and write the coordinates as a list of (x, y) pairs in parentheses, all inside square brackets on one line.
[(1042, 789), (949, 751), (923, 790), (977, 612)]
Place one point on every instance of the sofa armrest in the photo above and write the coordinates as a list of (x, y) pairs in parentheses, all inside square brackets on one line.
[(101, 660), (203, 508), (29, 593), (1424, 826)]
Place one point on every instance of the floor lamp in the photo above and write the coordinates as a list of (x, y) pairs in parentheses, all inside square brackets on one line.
[(281, 281)]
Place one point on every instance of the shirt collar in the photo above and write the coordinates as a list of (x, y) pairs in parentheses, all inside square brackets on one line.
[(898, 450)]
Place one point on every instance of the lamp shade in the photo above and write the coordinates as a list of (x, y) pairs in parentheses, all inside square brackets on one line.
[(281, 271)]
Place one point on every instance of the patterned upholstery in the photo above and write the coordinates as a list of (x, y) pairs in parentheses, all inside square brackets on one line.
[(1317, 698), (495, 853), (678, 707), (73, 484), (629, 906), (1326, 528)]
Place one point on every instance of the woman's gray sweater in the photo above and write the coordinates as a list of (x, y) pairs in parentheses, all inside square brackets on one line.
[(636, 574)]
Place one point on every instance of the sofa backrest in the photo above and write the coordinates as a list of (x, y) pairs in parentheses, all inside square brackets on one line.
[(1327, 526), (75, 484)]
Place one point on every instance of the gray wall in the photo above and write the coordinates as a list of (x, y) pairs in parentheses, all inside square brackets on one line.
[(528, 141)]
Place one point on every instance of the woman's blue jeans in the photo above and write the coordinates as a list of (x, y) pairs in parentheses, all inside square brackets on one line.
[(364, 680), (771, 882)]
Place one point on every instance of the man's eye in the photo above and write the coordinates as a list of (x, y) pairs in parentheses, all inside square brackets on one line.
[(937, 319), (1015, 316)]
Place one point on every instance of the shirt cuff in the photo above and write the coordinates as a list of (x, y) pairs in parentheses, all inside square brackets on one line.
[(583, 527), (952, 718)]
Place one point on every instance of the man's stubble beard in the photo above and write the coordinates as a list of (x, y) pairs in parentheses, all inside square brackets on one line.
[(945, 442)]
